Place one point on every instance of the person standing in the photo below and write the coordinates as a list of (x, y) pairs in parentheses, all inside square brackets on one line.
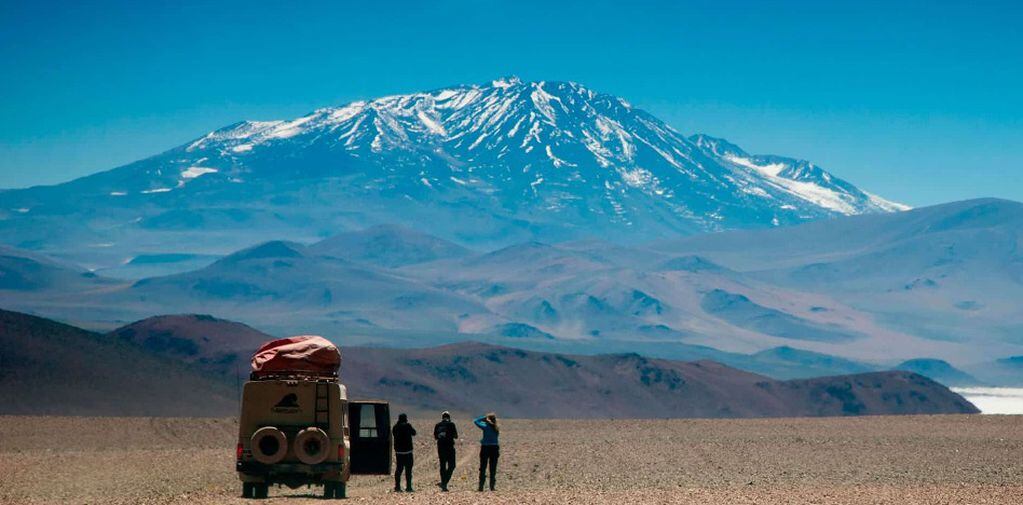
[(445, 433), (403, 433), (489, 447)]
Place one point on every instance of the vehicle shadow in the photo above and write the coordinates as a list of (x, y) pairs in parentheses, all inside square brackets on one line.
[(305, 496)]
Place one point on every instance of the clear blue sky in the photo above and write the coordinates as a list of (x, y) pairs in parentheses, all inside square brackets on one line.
[(921, 102)]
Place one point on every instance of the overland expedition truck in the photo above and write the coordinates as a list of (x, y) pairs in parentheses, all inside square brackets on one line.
[(298, 427)]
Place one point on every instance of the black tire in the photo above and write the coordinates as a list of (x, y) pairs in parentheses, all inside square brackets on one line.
[(328, 490), (261, 491), (340, 491), (247, 490)]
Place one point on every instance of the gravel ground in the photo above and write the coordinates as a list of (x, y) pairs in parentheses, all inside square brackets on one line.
[(897, 460)]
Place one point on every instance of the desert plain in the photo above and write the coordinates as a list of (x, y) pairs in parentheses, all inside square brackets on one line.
[(969, 459)]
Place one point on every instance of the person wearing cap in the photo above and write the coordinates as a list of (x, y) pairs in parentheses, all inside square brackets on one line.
[(445, 433), (403, 433)]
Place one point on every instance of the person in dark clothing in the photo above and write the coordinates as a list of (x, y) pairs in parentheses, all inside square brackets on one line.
[(445, 434), (403, 433), (489, 448)]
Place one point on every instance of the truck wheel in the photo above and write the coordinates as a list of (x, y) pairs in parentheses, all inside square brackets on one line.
[(328, 490), (311, 446), (340, 490), (269, 445), (261, 491), (247, 490)]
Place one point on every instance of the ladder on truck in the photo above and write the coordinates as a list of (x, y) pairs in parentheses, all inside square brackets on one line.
[(322, 411)]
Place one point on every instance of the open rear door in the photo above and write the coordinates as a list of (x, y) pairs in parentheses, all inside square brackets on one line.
[(370, 437)]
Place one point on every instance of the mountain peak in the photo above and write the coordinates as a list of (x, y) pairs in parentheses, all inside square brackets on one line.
[(388, 245), (718, 146), (532, 138), (273, 249), (422, 112), (494, 163), (504, 82)]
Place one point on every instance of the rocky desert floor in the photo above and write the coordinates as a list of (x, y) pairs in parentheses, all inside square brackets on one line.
[(896, 460)]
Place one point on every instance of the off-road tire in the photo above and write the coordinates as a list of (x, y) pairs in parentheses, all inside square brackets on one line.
[(273, 437), (311, 438), (261, 491), (340, 490), (247, 489)]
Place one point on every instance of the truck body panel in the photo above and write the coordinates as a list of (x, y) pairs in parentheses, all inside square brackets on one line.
[(292, 405)]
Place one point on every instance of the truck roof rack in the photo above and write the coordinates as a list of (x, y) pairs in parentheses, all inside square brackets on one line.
[(293, 375)]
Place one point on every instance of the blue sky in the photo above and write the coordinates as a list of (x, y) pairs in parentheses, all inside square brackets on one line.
[(921, 102)]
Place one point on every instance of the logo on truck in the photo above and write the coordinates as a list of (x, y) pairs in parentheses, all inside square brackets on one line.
[(287, 405)]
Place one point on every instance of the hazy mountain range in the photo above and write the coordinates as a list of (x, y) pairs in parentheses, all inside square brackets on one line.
[(536, 214), (849, 295)]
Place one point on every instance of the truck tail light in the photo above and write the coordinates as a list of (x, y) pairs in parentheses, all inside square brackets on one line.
[(341, 452), (238, 452)]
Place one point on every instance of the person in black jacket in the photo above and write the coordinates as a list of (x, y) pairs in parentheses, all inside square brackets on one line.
[(445, 434), (403, 433)]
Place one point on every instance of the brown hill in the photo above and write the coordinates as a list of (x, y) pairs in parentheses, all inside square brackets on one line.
[(184, 365), (215, 345), (52, 368), (478, 377)]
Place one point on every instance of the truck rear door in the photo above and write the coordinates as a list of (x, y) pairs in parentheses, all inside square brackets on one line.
[(370, 437)]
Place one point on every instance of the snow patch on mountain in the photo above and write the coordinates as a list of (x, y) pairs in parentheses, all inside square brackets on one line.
[(770, 170), (813, 193), (194, 172), (887, 205)]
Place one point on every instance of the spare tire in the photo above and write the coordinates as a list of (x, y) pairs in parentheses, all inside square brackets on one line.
[(312, 446), (269, 445)]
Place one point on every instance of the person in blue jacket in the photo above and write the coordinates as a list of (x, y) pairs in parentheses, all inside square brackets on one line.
[(489, 447)]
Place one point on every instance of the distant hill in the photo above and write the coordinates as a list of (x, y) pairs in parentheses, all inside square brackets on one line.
[(388, 246), (182, 366), (52, 368), (517, 383), (271, 283), (214, 345), (27, 272), (1003, 371), (939, 370), (789, 362), (944, 279)]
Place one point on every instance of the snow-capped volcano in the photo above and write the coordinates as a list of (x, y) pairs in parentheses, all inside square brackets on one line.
[(502, 161), (550, 146)]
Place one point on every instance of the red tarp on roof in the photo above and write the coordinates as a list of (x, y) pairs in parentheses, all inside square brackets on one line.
[(305, 353)]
